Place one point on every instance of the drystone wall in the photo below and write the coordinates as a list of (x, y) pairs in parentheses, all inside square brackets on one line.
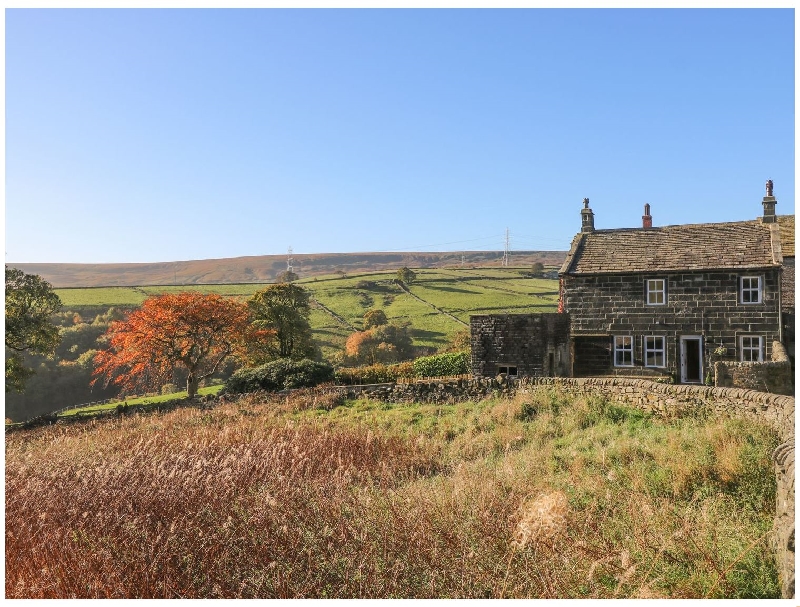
[(665, 400), (770, 376)]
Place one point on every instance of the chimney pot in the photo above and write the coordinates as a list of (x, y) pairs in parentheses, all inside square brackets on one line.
[(647, 220), (587, 217), (769, 203)]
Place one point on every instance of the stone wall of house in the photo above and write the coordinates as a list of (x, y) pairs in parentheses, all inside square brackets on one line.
[(774, 376), (787, 283), (536, 344), (666, 400), (591, 356), (703, 303), (787, 293)]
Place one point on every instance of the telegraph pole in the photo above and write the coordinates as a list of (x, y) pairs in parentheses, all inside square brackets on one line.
[(505, 253)]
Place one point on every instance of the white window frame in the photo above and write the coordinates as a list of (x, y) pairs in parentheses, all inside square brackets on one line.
[(623, 344), (654, 291), (750, 348), (758, 289), (662, 350)]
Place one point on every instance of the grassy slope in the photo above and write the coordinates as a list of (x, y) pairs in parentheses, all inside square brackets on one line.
[(537, 497), (459, 292), (140, 400)]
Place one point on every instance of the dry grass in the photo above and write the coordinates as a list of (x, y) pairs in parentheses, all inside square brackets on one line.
[(541, 519), (536, 497)]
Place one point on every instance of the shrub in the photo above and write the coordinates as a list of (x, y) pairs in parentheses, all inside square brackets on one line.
[(169, 389), (375, 318), (454, 363), (375, 374), (381, 344), (459, 342), (406, 275), (528, 411), (280, 374)]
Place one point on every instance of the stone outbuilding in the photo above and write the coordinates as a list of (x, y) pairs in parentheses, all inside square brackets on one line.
[(520, 345)]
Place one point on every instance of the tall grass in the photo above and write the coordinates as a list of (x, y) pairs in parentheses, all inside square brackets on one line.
[(308, 496)]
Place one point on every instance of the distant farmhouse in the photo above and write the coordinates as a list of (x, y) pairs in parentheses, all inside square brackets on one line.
[(659, 302)]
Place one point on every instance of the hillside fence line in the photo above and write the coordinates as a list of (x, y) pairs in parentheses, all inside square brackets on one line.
[(405, 289)]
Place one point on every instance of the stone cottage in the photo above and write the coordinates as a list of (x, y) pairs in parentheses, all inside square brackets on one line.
[(654, 302), (669, 301)]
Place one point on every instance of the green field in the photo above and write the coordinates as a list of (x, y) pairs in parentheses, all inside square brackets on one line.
[(139, 400), (459, 292), (76, 298)]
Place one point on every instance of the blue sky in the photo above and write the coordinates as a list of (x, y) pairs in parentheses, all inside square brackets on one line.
[(162, 135)]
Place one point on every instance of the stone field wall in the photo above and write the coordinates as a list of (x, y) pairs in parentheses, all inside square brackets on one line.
[(770, 376)]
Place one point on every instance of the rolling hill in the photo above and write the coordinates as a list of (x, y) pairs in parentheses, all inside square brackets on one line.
[(265, 268)]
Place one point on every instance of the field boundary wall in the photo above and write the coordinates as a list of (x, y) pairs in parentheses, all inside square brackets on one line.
[(773, 376)]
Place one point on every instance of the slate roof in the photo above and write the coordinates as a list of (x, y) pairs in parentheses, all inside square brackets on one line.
[(786, 225), (705, 246), (787, 283)]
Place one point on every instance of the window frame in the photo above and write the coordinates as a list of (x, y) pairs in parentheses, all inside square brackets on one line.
[(647, 350), (759, 289), (623, 349), (662, 291), (750, 348)]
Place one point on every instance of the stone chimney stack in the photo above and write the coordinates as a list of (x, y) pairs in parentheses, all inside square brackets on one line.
[(769, 203), (587, 217), (647, 219)]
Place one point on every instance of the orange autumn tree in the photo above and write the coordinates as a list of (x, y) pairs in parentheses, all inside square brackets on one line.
[(191, 331)]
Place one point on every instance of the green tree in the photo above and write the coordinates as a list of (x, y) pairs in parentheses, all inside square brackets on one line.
[(285, 309), (287, 276), (30, 302), (375, 318), (537, 269), (406, 275)]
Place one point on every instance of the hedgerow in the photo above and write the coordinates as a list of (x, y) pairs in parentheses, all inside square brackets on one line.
[(374, 374), (438, 365)]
